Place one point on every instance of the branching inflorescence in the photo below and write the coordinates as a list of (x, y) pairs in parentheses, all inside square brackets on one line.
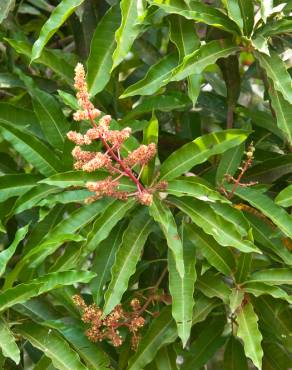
[(110, 158)]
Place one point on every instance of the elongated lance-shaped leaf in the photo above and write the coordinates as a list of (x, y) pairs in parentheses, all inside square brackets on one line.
[(274, 27), (229, 163), (31, 149), (221, 258), (224, 232), (102, 46), (150, 135), (198, 12), (204, 347), (234, 357), (155, 78), (266, 205), (199, 150), (165, 359), (52, 345), (284, 198), (162, 214), (243, 267), (73, 178), (133, 13), (16, 185), (258, 288), (161, 332), (48, 111), (207, 54), (234, 13), (55, 21), (7, 253), (212, 285), (192, 186), (283, 112), (7, 342), (248, 331), (43, 284), (182, 289), (273, 276), (103, 261), (277, 72), (247, 14), (127, 258), (105, 223), (74, 196), (6, 7)]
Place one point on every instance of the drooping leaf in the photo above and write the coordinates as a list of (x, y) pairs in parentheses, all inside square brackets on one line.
[(248, 331), (103, 44), (154, 79), (199, 150), (52, 345), (32, 149), (273, 276), (45, 283), (277, 72), (243, 267), (162, 214), (133, 14), (198, 12), (127, 258), (8, 345), (182, 288), (7, 253), (165, 359), (211, 285), (229, 163), (224, 232), (284, 198), (16, 185), (207, 54), (258, 288), (234, 357), (221, 258), (161, 332), (274, 27), (55, 21)]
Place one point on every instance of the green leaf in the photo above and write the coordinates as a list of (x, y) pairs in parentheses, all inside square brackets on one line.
[(127, 257), (221, 258), (266, 205), (247, 12), (32, 149), (284, 198), (248, 331), (234, 12), (207, 54), (199, 150), (277, 72), (211, 286), (283, 112), (154, 79), (243, 267), (162, 214), (224, 232), (234, 357), (150, 135), (133, 14), (161, 332), (182, 288), (274, 27), (102, 46), (7, 253), (103, 225), (7, 343), (104, 260), (266, 9), (6, 7), (52, 345), (229, 163), (198, 12), (43, 284), (165, 359), (192, 186), (55, 21), (258, 288), (16, 185), (276, 357), (273, 276), (204, 347), (73, 196)]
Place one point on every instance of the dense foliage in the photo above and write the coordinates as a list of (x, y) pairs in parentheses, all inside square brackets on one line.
[(168, 245)]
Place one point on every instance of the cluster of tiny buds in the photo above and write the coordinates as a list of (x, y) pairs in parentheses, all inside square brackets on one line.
[(106, 328), (110, 159)]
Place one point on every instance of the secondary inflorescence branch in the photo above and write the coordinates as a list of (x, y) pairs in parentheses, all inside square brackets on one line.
[(110, 158)]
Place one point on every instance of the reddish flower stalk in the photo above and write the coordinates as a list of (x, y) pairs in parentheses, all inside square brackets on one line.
[(110, 159)]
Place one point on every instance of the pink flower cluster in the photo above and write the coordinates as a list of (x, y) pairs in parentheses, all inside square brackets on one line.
[(110, 158)]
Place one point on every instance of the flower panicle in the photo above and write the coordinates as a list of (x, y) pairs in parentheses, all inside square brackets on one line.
[(109, 157)]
